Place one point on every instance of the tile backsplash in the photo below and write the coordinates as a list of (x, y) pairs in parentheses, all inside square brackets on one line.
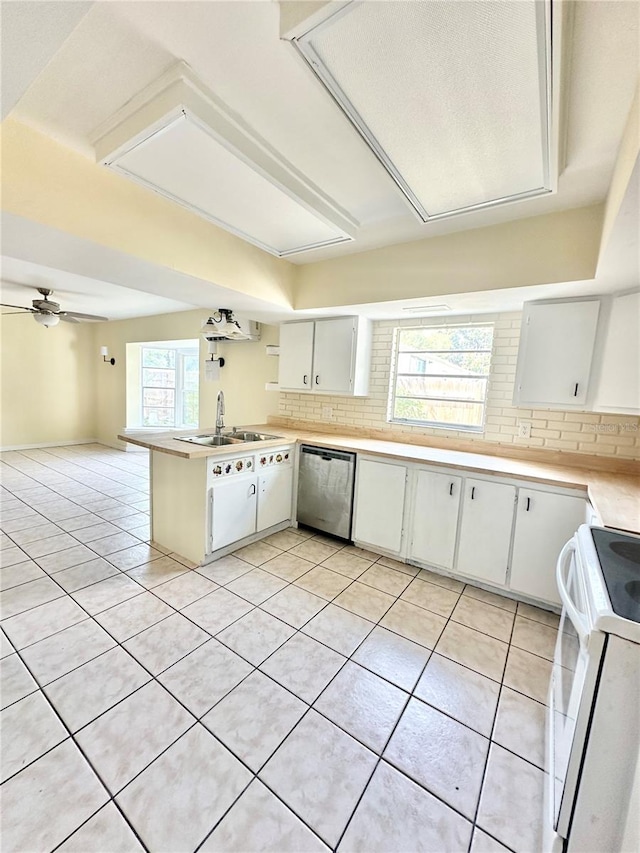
[(573, 432)]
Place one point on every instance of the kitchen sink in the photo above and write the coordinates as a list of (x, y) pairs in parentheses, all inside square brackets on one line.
[(210, 440), (251, 436), (229, 438)]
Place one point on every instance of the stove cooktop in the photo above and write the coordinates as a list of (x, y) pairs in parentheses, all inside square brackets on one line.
[(619, 556)]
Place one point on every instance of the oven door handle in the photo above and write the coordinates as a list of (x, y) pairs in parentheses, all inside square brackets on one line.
[(573, 613)]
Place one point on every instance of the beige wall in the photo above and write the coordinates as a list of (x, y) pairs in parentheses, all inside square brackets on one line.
[(628, 153), (540, 250), (54, 185), (56, 388), (247, 369), (573, 432), (47, 389)]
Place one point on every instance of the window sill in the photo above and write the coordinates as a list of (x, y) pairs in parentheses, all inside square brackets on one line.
[(431, 425)]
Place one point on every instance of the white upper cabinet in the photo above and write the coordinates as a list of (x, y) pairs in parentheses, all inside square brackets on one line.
[(435, 518), (555, 355), (618, 378), (485, 530), (296, 355), (330, 356)]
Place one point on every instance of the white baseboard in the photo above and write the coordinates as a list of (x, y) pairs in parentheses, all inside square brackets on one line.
[(49, 444)]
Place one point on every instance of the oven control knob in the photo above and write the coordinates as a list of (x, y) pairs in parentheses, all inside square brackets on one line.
[(279, 457), (239, 465), (217, 471)]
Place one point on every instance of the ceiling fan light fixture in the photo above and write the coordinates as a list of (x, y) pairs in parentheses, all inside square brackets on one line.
[(47, 320)]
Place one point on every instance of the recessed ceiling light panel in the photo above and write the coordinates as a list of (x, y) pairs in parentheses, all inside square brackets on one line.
[(453, 98), (180, 141)]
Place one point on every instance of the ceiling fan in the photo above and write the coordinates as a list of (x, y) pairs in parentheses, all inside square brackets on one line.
[(48, 313)]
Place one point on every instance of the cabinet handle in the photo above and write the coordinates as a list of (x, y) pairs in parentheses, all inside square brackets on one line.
[(317, 379), (450, 488), (304, 379), (528, 506), (473, 492), (575, 390), (252, 493)]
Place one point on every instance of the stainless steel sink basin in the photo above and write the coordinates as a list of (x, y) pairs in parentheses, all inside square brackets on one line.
[(229, 438), (251, 436), (210, 440)]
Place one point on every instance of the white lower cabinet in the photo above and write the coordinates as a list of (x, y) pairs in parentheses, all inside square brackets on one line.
[(544, 522), (275, 490), (233, 510), (435, 518), (379, 504), (485, 530)]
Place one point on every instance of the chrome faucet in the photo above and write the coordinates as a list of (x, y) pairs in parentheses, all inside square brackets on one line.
[(219, 413)]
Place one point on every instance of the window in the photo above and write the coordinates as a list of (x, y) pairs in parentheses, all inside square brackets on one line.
[(169, 385), (441, 375)]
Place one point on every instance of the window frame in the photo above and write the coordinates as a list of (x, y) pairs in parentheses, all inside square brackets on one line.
[(393, 379), (181, 353)]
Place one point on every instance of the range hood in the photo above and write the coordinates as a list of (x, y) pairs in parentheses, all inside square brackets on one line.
[(178, 139), (455, 99)]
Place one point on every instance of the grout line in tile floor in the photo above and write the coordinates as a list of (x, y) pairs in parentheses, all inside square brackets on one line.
[(255, 774), (297, 630), (258, 606)]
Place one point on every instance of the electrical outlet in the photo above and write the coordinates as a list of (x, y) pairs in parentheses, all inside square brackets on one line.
[(524, 429), (327, 413)]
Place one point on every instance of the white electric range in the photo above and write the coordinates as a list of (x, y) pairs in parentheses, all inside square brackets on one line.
[(593, 720)]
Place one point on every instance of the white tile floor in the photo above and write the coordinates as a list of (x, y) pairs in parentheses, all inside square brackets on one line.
[(296, 696)]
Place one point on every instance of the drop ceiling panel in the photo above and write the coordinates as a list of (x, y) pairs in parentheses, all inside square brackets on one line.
[(451, 96), (186, 163)]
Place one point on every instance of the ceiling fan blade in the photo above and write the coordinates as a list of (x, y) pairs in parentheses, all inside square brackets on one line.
[(76, 314), (20, 307), (9, 313), (67, 319)]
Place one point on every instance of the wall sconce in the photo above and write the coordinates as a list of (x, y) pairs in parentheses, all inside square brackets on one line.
[(213, 354), (104, 352)]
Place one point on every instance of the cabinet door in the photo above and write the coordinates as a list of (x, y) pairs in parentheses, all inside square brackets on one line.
[(275, 489), (233, 510), (379, 506), (485, 530), (296, 356), (556, 348), (435, 518), (333, 355), (544, 522), (619, 381)]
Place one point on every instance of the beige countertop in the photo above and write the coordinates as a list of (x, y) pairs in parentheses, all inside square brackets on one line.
[(615, 496)]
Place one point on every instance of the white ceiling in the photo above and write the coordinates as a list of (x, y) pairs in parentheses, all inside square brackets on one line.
[(20, 279), (95, 279), (234, 47), (32, 33)]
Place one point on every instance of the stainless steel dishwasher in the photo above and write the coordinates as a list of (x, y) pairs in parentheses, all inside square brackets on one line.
[(325, 490)]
